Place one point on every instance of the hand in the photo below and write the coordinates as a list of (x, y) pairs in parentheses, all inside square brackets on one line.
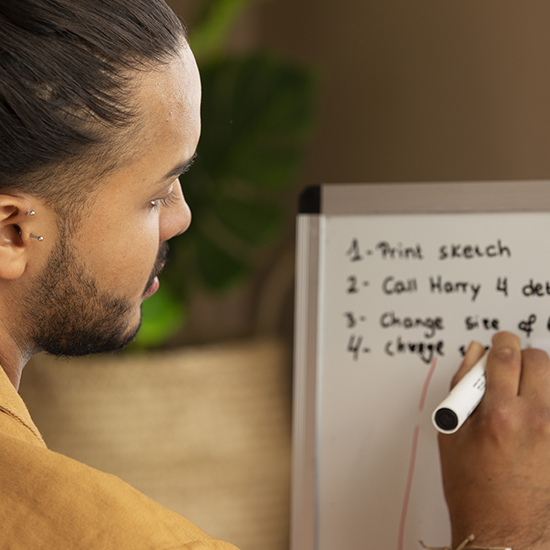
[(496, 467)]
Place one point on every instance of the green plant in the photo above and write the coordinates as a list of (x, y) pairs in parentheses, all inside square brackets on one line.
[(256, 112)]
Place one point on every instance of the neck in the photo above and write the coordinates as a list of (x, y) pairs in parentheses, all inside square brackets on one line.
[(14, 354), (13, 362)]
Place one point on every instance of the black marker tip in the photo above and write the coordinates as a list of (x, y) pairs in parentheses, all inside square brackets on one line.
[(446, 419)]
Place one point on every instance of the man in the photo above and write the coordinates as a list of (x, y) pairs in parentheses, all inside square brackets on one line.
[(99, 115)]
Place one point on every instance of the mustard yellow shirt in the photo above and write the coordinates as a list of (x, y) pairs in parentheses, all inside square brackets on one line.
[(49, 501)]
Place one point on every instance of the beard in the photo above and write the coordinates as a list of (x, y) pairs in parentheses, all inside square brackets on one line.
[(68, 315)]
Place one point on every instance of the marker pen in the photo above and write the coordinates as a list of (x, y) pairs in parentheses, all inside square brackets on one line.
[(463, 399)]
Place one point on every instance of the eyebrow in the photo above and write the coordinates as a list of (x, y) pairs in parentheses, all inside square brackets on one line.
[(180, 168)]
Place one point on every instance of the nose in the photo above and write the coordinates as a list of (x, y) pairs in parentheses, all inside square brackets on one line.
[(176, 219)]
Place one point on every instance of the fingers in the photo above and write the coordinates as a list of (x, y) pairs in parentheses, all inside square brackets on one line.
[(504, 366), (535, 375), (471, 357), (510, 371)]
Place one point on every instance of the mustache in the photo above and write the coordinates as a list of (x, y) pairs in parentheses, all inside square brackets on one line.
[(159, 265)]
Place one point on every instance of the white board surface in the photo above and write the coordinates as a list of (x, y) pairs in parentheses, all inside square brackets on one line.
[(398, 296)]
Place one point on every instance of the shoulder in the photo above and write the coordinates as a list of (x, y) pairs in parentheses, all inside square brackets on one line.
[(48, 500)]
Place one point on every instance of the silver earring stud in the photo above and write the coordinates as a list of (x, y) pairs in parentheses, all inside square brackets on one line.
[(31, 212), (37, 238)]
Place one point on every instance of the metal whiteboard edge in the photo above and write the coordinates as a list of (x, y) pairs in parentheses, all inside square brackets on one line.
[(303, 525), (435, 197)]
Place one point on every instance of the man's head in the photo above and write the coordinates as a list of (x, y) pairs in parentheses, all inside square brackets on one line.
[(67, 95), (99, 114)]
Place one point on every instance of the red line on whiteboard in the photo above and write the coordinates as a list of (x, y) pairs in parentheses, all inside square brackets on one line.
[(412, 462), (408, 489), (426, 384)]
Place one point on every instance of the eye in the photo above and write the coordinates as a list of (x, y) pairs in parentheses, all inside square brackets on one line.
[(171, 199)]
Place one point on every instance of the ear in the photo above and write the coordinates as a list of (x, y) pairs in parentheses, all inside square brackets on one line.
[(16, 228)]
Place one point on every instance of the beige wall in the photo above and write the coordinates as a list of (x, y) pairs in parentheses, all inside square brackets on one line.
[(424, 89)]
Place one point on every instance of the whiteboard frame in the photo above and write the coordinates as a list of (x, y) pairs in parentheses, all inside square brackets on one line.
[(304, 468), (433, 198), (364, 199)]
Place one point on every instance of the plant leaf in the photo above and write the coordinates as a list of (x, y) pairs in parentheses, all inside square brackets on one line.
[(256, 114), (216, 21), (253, 223), (219, 270)]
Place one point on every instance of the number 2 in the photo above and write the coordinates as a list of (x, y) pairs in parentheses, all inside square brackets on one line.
[(352, 288)]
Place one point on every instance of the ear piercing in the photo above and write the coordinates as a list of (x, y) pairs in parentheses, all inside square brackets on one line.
[(37, 237)]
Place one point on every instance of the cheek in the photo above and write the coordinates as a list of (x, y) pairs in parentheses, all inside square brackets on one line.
[(137, 254), (123, 261)]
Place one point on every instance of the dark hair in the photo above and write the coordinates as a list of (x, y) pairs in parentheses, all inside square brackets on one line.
[(66, 86)]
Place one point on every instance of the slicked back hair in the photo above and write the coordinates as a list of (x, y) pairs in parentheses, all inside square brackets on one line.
[(66, 88)]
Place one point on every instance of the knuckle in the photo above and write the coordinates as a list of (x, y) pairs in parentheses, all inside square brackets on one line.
[(540, 422), (506, 354), (498, 420), (503, 422)]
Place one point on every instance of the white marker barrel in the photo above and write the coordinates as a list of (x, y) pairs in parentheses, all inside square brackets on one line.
[(463, 399)]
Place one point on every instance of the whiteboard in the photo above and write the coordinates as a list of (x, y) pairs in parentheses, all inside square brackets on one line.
[(393, 282)]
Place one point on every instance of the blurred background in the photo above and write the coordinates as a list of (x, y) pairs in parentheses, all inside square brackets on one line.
[(399, 91), (296, 93)]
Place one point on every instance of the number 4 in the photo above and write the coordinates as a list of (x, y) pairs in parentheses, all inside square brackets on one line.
[(354, 345), (502, 285)]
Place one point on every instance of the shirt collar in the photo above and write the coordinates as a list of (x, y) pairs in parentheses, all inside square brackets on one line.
[(12, 405)]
